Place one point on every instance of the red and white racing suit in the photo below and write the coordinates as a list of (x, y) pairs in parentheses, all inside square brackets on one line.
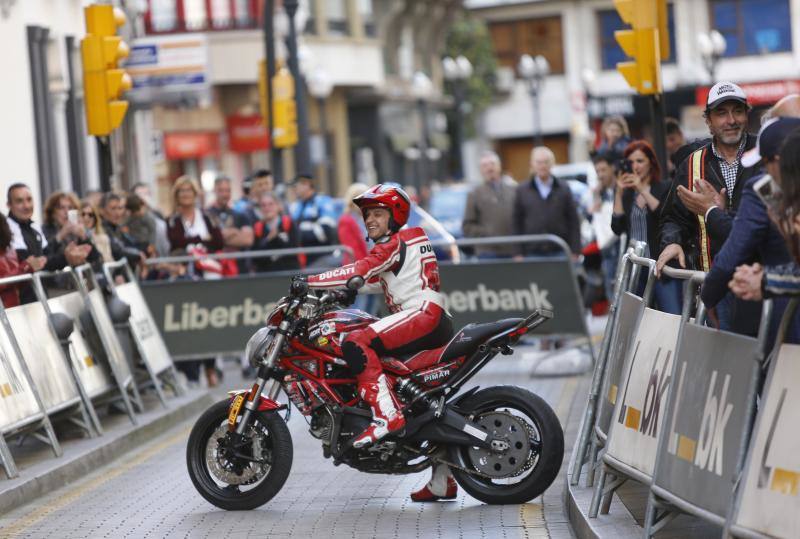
[(404, 266)]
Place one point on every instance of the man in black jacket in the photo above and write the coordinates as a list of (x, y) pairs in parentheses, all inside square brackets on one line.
[(708, 185), (30, 243), (544, 205), (707, 189)]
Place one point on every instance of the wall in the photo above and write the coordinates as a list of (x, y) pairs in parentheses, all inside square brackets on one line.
[(17, 135)]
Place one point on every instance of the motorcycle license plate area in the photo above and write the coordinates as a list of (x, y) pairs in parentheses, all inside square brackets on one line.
[(234, 410)]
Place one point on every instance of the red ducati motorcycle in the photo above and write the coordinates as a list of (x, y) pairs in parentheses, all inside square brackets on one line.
[(504, 444)]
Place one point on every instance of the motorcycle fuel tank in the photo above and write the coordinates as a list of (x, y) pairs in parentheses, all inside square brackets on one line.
[(326, 332)]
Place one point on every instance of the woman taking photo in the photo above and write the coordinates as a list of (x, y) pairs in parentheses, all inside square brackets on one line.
[(637, 202)]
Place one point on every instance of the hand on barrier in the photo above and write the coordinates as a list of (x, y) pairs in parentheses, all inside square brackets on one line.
[(36, 262), (299, 286), (670, 252), (746, 282)]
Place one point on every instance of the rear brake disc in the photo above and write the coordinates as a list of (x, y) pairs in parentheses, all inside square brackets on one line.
[(511, 447)]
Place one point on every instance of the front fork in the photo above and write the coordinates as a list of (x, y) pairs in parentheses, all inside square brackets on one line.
[(254, 396)]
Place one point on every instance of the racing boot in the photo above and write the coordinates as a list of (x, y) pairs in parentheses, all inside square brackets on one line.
[(386, 414), (442, 486)]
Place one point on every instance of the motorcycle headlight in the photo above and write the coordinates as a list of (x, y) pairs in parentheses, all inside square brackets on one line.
[(257, 346)]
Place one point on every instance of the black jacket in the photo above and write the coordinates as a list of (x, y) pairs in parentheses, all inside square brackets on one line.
[(620, 223), (679, 225), (556, 215)]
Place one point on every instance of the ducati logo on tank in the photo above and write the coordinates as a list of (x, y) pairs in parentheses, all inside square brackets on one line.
[(639, 414)]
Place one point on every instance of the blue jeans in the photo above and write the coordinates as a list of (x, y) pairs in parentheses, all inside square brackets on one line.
[(609, 262), (669, 295), (724, 310)]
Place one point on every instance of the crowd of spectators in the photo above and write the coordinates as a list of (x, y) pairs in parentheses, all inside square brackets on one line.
[(706, 211), (115, 225)]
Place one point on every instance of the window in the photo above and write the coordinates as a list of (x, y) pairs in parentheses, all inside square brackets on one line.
[(532, 36), (194, 12), (753, 26), (337, 17), (221, 14), (610, 51), (367, 17), (163, 15)]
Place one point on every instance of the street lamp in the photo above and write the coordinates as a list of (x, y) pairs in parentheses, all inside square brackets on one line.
[(320, 87), (422, 88), (458, 72), (534, 70), (712, 46)]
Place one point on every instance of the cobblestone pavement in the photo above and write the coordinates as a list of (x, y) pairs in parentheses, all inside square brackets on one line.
[(147, 493)]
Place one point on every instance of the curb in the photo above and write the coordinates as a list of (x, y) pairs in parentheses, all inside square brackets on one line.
[(84, 456)]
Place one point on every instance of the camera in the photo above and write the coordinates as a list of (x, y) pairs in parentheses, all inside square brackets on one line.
[(625, 166)]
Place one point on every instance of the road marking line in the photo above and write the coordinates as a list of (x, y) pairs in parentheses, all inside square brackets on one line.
[(565, 400), (42, 512), (531, 516)]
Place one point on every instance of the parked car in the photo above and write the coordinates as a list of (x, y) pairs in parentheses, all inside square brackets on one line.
[(447, 205)]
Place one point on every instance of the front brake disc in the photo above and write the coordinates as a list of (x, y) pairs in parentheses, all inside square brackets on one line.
[(511, 447), (222, 468)]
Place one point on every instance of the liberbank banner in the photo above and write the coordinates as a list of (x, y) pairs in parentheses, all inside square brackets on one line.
[(204, 318)]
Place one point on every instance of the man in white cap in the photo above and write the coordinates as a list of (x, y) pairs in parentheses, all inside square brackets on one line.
[(697, 218)]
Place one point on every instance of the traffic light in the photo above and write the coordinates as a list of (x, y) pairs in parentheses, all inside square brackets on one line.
[(103, 81), (284, 108), (647, 43)]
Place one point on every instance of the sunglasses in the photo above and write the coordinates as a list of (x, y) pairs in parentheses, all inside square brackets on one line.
[(87, 214)]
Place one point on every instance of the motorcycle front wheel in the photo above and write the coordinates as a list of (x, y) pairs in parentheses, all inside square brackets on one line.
[(527, 451), (234, 473)]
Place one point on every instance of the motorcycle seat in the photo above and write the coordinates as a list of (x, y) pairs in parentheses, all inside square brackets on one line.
[(464, 343), (467, 341)]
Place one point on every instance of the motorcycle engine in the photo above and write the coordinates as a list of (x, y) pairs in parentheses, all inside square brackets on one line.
[(321, 424)]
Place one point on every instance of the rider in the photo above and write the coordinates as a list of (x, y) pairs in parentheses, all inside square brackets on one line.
[(402, 264)]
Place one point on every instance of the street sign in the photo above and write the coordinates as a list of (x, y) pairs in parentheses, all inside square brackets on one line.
[(164, 67)]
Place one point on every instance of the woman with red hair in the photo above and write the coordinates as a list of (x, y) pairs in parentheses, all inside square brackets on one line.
[(637, 203)]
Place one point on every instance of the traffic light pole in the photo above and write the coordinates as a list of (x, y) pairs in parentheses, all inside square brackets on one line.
[(302, 151), (104, 162), (275, 154), (659, 137)]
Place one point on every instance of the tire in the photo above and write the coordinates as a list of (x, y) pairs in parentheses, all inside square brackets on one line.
[(543, 471), (278, 444)]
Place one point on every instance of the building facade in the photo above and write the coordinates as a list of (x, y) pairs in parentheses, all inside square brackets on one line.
[(43, 140), (577, 38), (368, 50)]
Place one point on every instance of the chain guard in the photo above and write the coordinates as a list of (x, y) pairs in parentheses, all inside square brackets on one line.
[(224, 470)]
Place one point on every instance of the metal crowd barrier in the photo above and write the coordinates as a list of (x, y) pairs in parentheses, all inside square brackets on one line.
[(49, 368), (150, 345), (204, 318), (686, 422), (623, 315)]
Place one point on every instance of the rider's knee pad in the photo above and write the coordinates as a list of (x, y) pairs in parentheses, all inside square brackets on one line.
[(354, 356), (355, 347)]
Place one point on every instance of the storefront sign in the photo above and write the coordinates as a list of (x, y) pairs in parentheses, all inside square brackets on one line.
[(758, 93), (247, 134), (190, 145)]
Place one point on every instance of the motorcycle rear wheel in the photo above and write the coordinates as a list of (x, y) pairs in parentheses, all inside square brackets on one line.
[(510, 408), (269, 437)]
